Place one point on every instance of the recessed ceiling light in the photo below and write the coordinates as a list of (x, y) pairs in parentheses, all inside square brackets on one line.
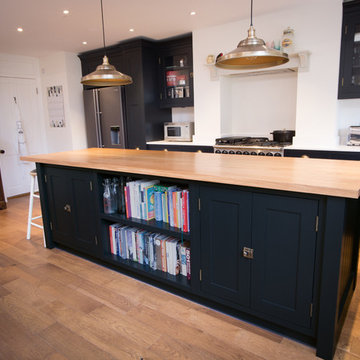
[(84, 42), (66, 12), (193, 13), (19, 29), (131, 30)]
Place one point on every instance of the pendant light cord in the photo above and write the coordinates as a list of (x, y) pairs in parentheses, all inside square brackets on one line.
[(103, 28), (250, 13)]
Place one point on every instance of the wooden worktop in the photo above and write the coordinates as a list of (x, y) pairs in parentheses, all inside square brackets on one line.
[(315, 176)]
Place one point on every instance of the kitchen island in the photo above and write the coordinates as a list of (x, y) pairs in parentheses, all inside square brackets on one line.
[(273, 240)]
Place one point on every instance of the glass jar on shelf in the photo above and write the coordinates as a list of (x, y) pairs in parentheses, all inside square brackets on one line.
[(287, 41)]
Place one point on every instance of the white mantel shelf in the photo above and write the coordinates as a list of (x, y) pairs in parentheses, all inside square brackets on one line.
[(298, 61)]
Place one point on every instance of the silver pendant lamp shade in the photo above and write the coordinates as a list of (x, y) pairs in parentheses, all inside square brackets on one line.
[(106, 74), (251, 53)]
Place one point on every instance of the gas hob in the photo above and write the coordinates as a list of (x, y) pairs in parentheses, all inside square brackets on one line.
[(259, 146)]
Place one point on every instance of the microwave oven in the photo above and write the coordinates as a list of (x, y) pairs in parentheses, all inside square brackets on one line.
[(178, 131)]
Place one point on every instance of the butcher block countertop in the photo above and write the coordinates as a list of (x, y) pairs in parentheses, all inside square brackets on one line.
[(315, 176)]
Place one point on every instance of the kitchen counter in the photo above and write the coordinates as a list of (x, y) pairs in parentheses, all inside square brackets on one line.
[(325, 148), (186, 143), (314, 176)]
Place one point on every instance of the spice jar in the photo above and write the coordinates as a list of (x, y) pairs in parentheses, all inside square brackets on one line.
[(287, 41)]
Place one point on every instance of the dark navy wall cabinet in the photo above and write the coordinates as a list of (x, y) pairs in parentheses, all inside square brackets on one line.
[(284, 242)]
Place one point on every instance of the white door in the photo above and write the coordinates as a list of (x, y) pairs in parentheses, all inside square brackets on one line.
[(14, 172)]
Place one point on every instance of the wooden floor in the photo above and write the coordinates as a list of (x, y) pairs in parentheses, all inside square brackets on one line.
[(55, 305)]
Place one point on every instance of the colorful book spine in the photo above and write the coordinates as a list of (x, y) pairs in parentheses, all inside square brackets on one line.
[(111, 239), (129, 244), (150, 198), (152, 255), (188, 264), (158, 206), (163, 255), (157, 243)]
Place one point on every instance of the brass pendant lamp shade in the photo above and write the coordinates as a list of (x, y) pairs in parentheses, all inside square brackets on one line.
[(251, 53), (106, 74)]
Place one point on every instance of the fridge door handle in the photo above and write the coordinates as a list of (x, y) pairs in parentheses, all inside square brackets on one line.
[(97, 118)]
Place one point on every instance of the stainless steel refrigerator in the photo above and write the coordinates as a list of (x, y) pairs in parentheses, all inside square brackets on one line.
[(105, 117)]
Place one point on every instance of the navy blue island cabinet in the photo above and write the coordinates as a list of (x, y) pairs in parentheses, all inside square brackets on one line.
[(280, 258)]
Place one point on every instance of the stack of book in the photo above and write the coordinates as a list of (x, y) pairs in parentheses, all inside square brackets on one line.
[(172, 206), (139, 199), (149, 200), (354, 136), (158, 251)]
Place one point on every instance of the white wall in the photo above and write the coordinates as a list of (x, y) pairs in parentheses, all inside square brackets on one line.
[(318, 30), (267, 103), (64, 69), (180, 114)]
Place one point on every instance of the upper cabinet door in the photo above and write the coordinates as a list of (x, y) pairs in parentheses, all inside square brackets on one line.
[(349, 75), (284, 238), (176, 73)]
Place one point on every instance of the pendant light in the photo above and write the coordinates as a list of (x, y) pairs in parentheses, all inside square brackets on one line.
[(251, 53), (105, 74)]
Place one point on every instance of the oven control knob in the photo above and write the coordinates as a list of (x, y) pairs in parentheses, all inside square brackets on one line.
[(269, 154), (238, 152), (224, 152), (246, 153), (253, 153), (217, 152), (231, 152), (261, 153), (277, 154)]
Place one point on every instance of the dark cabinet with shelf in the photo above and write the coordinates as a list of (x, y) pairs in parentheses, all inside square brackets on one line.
[(176, 73), (120, 226), (72, 214), (258, 252), (284, 238), (349, 75), (143, 117), (225, 229)]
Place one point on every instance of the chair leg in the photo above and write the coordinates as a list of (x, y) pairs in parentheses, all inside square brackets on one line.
[(31, 203)]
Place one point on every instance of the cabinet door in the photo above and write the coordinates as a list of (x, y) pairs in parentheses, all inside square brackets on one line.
[(225, 230), (284, 241), (71, 208), (349, 80), (176, 74)]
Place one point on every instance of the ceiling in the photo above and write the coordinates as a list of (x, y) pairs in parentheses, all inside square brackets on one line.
[(47, 29)]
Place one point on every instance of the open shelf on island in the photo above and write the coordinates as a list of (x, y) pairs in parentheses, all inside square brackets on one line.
[(149, 225), (178, 280)]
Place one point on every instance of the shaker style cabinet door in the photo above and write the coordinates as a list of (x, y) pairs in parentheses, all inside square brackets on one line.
[(72, 208), (225, 231), (349, 75), (284, 240)]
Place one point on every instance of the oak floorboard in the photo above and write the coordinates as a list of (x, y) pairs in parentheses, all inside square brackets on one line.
[(77, 347), (18, 343), (195, 341), (31, 318), (97, 332)]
